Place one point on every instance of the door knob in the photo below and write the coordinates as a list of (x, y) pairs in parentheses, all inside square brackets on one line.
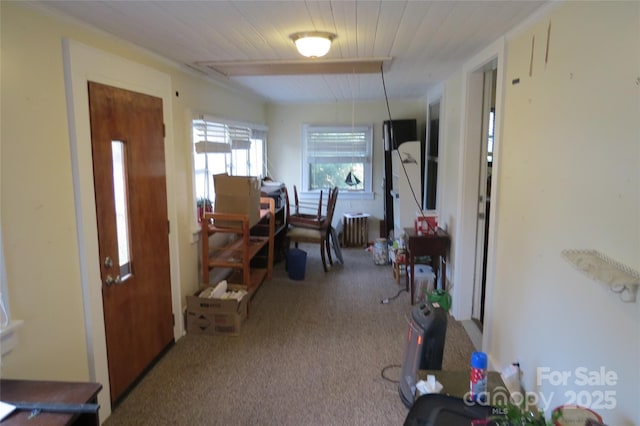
[(111, 280)]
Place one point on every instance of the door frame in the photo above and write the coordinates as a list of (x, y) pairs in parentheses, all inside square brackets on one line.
[(434, 96), (481, 236), (83, 63), (465, 230)]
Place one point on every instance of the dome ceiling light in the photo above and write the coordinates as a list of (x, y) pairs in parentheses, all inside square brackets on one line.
[(313, 44)]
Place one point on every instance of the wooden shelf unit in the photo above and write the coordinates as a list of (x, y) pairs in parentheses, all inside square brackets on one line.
[(247, 244), (277, 193)]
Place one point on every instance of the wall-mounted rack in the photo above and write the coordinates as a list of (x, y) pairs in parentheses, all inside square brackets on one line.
[(618, 277)]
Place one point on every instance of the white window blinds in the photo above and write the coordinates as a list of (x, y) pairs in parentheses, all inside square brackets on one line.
[(335, 144), (210, 137)]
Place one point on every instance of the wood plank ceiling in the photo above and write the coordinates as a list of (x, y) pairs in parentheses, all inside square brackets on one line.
[(419, 42)]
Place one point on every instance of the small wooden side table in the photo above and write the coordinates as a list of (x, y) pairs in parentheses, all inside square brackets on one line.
[(37, 391), (435, 244)]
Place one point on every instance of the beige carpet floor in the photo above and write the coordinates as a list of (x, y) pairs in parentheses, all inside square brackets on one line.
[(322, 351)]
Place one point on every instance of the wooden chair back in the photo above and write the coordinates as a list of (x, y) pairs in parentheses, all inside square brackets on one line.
[(331, 206), (297, 207), (305, 220)]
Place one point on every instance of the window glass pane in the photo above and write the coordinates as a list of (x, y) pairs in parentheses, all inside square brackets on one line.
[(491, 132), (256, 158), (240, 162), (121, 205), (205, 166), (326, 175), (337, 156)]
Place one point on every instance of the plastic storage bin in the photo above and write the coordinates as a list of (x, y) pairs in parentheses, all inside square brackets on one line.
[(424, 282), (380, 252)]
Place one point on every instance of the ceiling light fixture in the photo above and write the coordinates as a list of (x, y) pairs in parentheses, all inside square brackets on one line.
[(313, 44)]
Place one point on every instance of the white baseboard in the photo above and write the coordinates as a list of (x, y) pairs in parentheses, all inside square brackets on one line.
[(475, 334)]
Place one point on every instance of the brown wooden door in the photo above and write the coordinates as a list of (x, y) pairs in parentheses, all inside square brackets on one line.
[(127, 139)]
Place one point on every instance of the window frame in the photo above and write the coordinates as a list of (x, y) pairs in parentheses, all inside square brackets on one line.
[(197, 174), (367, 159)]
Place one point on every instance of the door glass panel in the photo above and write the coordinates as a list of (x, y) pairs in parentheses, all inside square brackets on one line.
[(121, 204), (492, 127)]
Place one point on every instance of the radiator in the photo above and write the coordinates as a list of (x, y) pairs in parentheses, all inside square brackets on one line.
[(355, 229)]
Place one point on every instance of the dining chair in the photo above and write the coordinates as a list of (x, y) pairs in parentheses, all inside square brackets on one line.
[(319, 235), (304, 220)]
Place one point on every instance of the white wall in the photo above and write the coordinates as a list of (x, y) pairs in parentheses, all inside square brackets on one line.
[(449, 164), (570, 179), (285, 144)]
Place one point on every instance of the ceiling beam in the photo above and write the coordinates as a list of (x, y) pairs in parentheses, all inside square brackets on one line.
[(296, 67)]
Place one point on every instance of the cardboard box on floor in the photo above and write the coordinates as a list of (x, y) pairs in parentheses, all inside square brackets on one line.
[(216, 316), (239, 195)]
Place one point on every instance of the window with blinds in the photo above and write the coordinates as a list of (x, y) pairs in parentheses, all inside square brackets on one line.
[(337, 156), (221, 146)]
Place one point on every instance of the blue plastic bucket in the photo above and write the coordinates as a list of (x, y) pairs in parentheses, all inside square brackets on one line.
[(296, 263)]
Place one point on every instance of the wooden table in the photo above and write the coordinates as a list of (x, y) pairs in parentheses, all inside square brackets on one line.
[(434, 244), (49, 392)]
